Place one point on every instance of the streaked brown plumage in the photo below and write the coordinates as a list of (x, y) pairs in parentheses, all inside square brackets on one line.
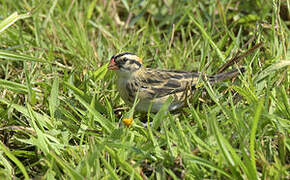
[(155, 86)]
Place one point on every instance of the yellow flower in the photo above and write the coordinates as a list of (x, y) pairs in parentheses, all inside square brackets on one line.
[(128, 121)]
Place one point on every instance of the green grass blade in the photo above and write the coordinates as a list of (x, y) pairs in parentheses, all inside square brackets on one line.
[(19, 57), (247, 93), (125, 165), (53, 99), (44, 120), (84, 96), (31, 93), (160, 116), (272, 68), (41, 141), (224, 147), (15, 160), (108, 166), (100, 73), (285, 100), (105, 123), (4, 24), (206, 36), (253, 136), (17, 87), (70, 170), (204, 162)]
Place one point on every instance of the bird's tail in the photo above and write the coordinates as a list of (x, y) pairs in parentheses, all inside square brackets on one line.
[(226, 75)]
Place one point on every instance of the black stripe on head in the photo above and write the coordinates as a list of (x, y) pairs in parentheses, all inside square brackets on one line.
[(129, 64), (122, 54), (135, 62)]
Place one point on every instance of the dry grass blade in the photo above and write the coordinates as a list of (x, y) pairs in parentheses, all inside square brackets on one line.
[(237, 58)]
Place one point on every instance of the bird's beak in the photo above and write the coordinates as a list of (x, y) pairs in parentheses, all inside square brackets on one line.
[(113, 65)]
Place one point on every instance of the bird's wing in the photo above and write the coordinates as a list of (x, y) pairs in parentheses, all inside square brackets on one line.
[(153, 83), (160, 83)]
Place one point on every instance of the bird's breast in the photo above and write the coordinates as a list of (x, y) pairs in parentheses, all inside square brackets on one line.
[(123, 88)]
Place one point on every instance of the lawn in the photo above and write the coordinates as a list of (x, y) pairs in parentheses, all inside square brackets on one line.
[(61, 116)]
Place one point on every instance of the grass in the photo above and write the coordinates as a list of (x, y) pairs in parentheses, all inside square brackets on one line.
[(58, 102)]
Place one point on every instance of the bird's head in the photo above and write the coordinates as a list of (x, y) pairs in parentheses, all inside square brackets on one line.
[(125, 63)]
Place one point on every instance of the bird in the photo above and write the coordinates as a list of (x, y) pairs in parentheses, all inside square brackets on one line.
[(153, 87)]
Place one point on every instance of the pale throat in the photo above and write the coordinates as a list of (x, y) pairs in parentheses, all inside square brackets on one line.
[(128, 74), (123, 74)]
